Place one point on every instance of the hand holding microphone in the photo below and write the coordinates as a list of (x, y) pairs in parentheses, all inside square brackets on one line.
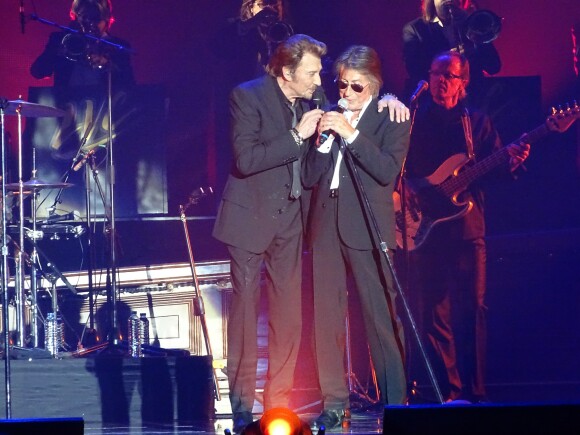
[(335, 123)]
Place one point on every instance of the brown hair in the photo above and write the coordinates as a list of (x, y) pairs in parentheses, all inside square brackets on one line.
[(290, 52), (428, 8), (104, 8), (246, 8), (364, 60)]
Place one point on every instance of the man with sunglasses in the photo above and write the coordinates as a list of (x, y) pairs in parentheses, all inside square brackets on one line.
[(342, 238), (450, 265)]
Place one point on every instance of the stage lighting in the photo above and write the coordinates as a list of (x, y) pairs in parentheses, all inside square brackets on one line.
[(278, 421)]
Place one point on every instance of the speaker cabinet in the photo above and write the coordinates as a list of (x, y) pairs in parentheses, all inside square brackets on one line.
[(496, 419), (69, 426)]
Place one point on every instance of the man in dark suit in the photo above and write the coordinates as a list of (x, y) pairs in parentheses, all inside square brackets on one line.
[(260, 219), (342, 236)]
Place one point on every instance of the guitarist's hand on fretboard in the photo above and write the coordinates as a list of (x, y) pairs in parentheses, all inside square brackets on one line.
[(518, 151)]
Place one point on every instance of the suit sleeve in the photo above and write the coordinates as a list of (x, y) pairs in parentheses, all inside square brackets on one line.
[(382, 161), (44, 64), (416, 59), (315, 165), (258, 147)]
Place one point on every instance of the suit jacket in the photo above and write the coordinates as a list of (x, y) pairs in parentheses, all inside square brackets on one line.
[(256, 195), (379, 151)]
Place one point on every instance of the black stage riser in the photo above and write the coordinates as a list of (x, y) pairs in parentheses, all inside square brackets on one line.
[(55, 426), (496, 419), (114, 390)]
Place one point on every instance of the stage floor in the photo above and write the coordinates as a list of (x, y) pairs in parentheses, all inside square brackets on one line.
[(362, 423)]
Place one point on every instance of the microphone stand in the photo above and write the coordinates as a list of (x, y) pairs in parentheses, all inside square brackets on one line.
[(114, 337), (75, 162), (88, 36), (198, 306), (382, 245), (402, 189)]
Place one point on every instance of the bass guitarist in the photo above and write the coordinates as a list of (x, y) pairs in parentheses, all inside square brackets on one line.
[(450, 264)]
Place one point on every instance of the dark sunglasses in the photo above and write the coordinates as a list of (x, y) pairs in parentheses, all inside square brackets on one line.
[(446, 75), (357, 87)]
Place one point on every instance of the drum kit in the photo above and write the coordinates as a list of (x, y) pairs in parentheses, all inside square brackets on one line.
[(34, 230)]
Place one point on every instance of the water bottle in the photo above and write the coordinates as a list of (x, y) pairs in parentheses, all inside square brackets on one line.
[(53, 333), (134, 330), (144, 325)]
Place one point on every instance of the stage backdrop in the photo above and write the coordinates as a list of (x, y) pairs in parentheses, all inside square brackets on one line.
[(74, 148), (174, 46)]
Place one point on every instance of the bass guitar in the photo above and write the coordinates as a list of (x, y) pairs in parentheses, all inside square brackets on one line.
[(437, 198)]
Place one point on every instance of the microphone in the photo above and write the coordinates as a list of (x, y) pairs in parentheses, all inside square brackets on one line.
[(72, 216), (342, 106), (422, 86), (22, 17), (317, 97), (82, 161)]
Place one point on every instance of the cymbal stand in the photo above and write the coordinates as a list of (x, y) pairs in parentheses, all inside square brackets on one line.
[(198, 306), (34, 261), (19, 278), (5, 271)]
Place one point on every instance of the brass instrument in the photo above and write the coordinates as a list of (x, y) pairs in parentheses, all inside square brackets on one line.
[(482, 26), (75, 46), (277, 32), (78, 47)]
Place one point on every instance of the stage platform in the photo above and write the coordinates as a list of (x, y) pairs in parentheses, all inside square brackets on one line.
[(112, 390)]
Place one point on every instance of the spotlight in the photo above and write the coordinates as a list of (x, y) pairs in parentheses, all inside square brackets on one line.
[(278, 421)]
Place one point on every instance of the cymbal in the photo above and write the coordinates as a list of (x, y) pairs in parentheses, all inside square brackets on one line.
[(36, 184), (32, 110)]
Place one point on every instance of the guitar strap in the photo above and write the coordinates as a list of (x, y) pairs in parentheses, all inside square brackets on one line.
[(466, 121)]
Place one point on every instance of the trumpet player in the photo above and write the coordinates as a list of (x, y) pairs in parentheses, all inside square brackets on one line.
[(82, 57), (451, 25)]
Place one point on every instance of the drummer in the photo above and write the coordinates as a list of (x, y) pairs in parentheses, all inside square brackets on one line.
[(77, 61)]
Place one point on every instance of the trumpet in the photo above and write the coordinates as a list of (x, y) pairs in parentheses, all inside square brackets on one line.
[(482, 26)]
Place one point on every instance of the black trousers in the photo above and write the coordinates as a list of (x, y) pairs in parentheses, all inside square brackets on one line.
[(383, 328), (451, 284), (282, 261)]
